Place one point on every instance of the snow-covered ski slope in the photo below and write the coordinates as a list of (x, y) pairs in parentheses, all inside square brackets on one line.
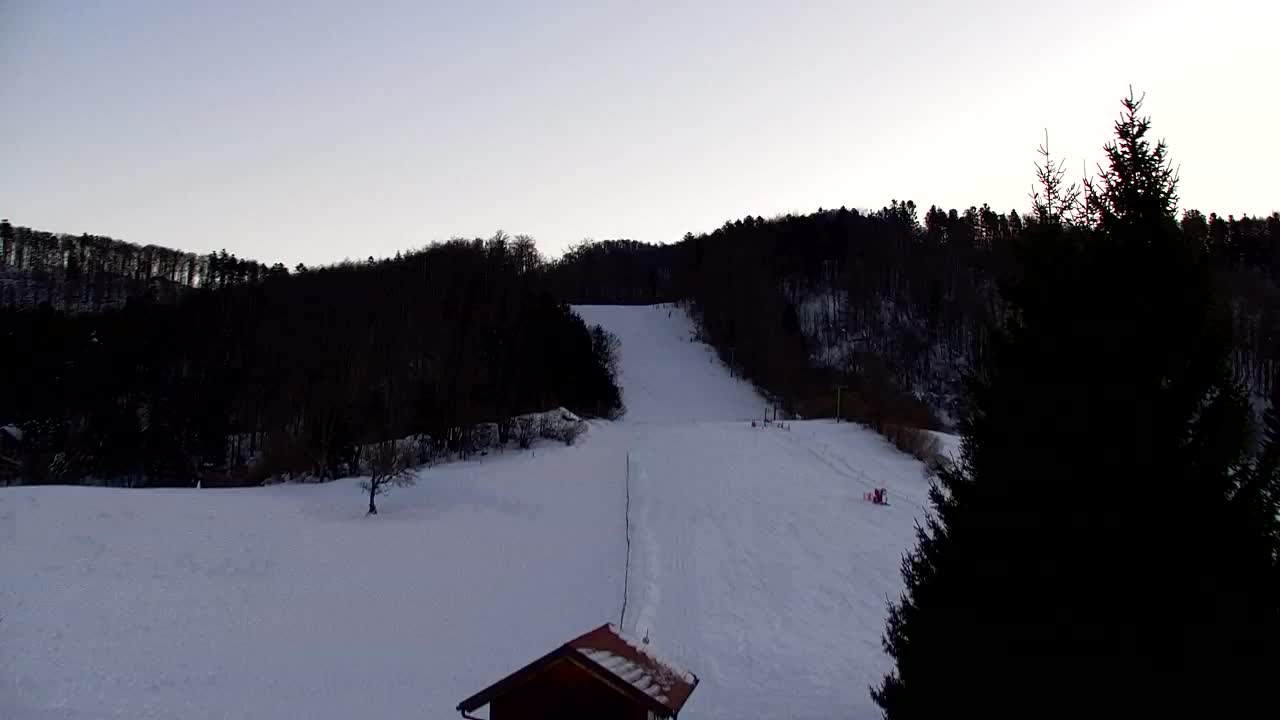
[(665, 375), (755, 563)]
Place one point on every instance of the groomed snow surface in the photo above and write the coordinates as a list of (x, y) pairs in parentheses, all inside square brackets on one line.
[(755, 563)]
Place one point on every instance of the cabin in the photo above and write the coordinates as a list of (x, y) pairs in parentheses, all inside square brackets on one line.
[(601, 674)]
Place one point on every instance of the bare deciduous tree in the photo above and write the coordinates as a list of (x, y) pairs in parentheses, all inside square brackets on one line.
[(391, 465)]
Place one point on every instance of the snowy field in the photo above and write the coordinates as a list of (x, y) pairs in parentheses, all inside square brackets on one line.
[(755, 563)]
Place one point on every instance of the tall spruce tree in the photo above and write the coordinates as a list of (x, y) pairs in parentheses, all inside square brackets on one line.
[(1092, 552)]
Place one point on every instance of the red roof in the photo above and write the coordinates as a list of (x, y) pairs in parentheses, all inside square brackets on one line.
[(647, 679)]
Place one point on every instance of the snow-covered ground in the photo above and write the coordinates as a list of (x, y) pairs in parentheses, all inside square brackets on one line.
[(667, 377), (755, 563)]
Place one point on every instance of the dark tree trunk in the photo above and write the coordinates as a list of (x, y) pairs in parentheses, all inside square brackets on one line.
[(373, 491)]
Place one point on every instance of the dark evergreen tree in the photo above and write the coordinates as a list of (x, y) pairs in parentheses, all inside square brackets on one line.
[(1084, 557)]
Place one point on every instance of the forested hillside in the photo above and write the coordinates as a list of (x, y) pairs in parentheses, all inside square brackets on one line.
[(893, 304), (173, 366), (159, 366), (79, 273), (293, 373)]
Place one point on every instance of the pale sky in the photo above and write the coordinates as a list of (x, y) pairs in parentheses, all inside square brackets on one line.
[(313, 131)]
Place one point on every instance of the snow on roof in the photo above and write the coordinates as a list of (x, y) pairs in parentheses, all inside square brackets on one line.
[(633, 673), (634, 662), (643, 647), (14, 431), (658, 684)]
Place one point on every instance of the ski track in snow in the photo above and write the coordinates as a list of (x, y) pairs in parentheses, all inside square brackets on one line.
[(755, 563)]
